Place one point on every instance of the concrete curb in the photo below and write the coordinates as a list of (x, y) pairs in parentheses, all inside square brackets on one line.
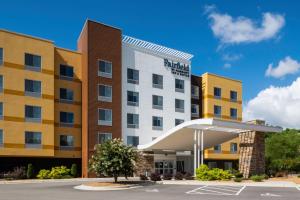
[(109, 188)]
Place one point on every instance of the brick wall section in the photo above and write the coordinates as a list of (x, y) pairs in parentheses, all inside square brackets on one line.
[(145, 164), (252, 153)]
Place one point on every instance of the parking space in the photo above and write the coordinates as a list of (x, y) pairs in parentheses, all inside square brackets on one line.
[(217, 190)]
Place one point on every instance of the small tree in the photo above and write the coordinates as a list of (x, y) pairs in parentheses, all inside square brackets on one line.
[(30, 172), (74, 170), (113, 158)]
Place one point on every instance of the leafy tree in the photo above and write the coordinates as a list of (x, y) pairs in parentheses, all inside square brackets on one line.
[(283, 150), (113, 158)]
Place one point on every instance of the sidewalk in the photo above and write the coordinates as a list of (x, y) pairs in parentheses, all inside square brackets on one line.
[(66, 180), (265, 183)]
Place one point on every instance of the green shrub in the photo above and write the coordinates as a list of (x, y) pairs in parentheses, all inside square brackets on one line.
[(238, 179), (59, 172), (178, 176), (17, 173), (143, 177), (43, 174), (188, 176), (30, 171), (205, 174), (74, 170), (257, 178), (155, 177), (167, 176)]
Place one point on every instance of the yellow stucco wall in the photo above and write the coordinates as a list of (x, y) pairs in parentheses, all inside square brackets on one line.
[(14, 74), (209, 81), (66, 57)]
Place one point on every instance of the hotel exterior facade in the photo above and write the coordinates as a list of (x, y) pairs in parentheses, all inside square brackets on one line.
[(57, 104)]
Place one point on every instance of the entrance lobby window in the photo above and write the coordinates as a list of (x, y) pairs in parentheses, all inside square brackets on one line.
[(164, 167)]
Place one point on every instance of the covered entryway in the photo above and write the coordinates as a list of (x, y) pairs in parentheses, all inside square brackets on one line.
[(194, 136)]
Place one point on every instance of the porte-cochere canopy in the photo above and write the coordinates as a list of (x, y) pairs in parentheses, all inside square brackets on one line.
[(215, 131)]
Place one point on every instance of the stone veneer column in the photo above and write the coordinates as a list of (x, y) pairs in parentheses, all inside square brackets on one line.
[(252, 153), (145, 163)]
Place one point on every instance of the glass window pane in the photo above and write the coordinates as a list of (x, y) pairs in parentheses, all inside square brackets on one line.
[(33, 137), (67, 71), (32, 60)]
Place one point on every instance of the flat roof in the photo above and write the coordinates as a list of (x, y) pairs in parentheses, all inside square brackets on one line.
[(180, 138), (28, 36), (224, 77)]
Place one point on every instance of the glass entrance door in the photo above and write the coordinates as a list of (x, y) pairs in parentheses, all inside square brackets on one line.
[(164, 167)]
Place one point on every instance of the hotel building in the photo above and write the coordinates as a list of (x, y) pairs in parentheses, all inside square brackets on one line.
[(57, 104)]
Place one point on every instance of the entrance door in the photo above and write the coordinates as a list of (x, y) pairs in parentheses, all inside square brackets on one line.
[(180, 166), (164, 167)]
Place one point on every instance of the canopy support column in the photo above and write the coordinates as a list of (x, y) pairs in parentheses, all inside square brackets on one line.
[(195, 151), (202, 147), (198, 146)]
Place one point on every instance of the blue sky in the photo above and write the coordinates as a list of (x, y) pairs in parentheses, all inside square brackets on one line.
[(187, 26)]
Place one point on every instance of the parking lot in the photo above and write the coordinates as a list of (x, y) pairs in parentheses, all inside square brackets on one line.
[(65, 191)]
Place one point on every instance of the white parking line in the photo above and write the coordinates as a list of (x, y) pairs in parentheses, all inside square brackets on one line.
[(241, 190), (298, 187), (217, 190)]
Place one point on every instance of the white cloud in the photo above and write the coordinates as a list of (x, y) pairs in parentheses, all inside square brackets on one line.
[(284, 67), (227, 65), (241, 29), (231, 57), (277, 105)]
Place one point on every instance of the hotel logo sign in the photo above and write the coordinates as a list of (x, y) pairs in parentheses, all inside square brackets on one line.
[(177, 68)]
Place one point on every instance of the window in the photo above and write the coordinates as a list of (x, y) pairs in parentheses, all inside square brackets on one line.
[(217, 148), (195, 92), (179, 85), (105, 117), (105, 69), (67, 118), (157, 123), (1, 83), (32, 62), (217, 111), (217, 93), (1, 138), (132, 76), (132, 120), (1, 56), (233, 96), (66, 142), (33, 113), (157, 81), (104, 93), (103, 137), (233, 147), (66, 94), (212, 164), (233, 113), (133, 140), (132, 98), (157, 102), (179, 105), (33, 139), (178, 121), (66, 72), (227, 165), (195, 110), (33, 88), (1, 110)]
